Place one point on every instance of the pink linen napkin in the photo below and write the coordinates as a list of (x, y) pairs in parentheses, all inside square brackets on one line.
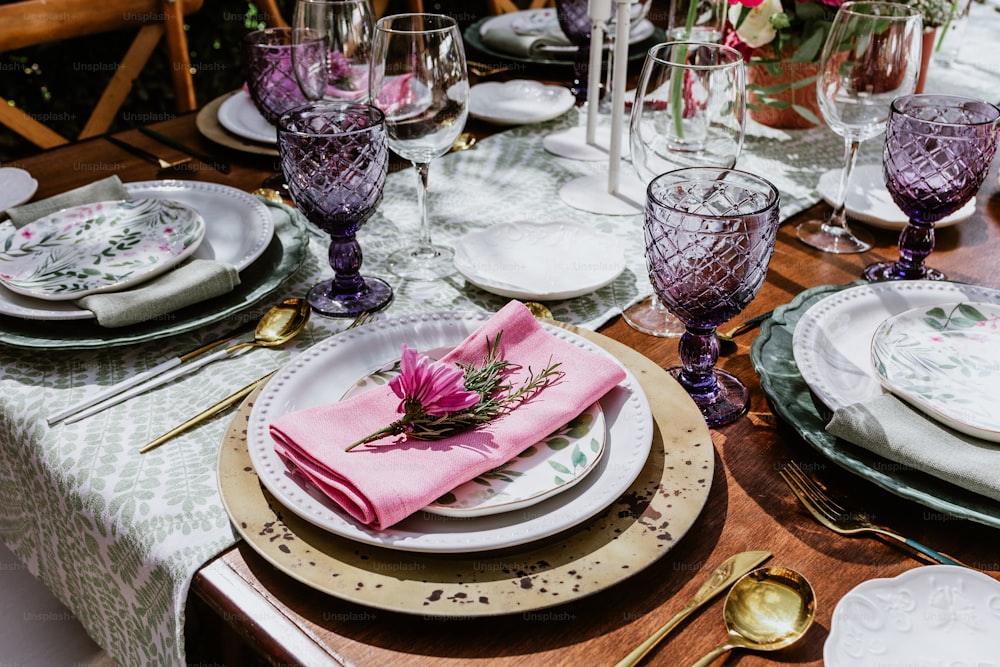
[(382, 483)]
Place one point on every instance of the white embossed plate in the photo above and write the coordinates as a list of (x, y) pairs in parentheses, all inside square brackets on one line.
[(869, 201), (832, 340), (930, 615), (518, 102), (945, 361), (99, 247), (239, 115), (551, 466), (540, 261), (330, 367)]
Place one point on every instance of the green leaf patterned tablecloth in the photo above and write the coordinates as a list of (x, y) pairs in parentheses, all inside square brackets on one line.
[(118, 536)]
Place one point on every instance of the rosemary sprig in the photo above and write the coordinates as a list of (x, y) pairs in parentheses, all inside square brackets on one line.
[(497, 397)]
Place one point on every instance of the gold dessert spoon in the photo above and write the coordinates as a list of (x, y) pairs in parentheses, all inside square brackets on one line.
[(766, 610)]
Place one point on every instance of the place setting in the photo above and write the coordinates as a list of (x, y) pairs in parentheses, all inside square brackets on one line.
[(210, 251)]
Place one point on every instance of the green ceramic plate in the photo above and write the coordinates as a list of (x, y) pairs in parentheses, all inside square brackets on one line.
[(791, 399)]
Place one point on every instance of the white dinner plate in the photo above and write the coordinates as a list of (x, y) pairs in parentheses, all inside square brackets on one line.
[(930, 615), (16, 187), (518, 102), (552, 465), (99, 247), (238, 229), (514, 31), (540, 261), (832, 340), (239, 115), (945, 361), (330, 367), (869, 201)]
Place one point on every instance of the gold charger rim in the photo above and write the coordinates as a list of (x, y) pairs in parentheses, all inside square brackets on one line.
[(632, 533), (207, 122)]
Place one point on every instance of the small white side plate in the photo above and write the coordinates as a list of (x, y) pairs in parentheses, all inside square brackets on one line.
[(945, 361), (16, 187), (99, 247), (930, 615), (540, 261), (239, 115), (518, 102), (869, 201)]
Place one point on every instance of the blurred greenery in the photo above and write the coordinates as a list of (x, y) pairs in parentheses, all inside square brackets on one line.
[(58, 83)]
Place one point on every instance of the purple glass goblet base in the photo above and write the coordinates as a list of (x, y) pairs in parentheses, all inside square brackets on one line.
[(325, 298), (727, 400)]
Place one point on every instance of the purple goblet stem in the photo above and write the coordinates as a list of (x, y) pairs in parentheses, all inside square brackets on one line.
[(916, 242), (699, 350), (345, 260)]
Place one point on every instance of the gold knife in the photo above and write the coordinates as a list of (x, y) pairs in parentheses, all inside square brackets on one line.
[(722, 578)]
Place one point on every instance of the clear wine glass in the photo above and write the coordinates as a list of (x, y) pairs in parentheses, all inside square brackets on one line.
[(419, 80), (335, 156), (938, 150), (689, 111), (870, 57), (709, 237), (347, 27)]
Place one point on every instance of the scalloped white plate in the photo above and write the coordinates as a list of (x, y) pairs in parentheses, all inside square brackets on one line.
[(832, 340), (239, 115), (945, 361), (99, 247), (16, 187), (330, 367), (518, 102), (931, 615), (539, 261), (869, 201)]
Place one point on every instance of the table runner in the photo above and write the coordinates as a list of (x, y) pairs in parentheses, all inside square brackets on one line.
[(118, 536)]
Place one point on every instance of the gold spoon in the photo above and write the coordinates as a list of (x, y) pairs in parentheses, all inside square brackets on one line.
[(540, 311), (464, 142), (278, 325), (766, 610)]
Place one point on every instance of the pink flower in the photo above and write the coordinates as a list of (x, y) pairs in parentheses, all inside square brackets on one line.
[(436, 388), (746, 3)]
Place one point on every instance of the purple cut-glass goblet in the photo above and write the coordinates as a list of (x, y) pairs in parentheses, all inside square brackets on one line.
[(938, 149), (335, 156), (270, 76), (709, 237), (574, 21)]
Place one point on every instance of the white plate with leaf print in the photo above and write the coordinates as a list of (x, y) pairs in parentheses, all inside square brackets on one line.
[(930, 615), (99, 247), (544, 469), (945, 361)]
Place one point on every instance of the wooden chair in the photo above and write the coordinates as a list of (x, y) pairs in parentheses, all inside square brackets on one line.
[(272, 13), (505, 6), (31, 22)]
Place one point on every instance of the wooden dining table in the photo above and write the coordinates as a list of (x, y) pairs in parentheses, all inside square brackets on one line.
[(240, 608)]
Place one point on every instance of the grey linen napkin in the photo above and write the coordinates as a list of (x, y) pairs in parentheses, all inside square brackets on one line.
[(191, 282), (499, 34), (892, 429)]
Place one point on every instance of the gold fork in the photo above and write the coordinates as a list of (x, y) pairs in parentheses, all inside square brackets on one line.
[(839, 519), (363, 318)]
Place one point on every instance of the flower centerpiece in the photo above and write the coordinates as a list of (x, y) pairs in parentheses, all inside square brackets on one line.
[(781, 41)]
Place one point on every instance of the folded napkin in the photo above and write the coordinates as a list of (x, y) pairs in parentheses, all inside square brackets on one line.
[(524, 34), (384, 482), (190, 283), (895, 431)]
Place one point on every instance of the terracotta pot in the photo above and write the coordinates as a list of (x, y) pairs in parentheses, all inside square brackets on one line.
[(805, 96), (927, 50)]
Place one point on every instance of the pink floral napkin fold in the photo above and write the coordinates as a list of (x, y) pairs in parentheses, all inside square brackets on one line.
[(383, 482)]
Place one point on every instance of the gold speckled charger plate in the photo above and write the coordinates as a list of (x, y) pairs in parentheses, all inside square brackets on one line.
[(632, 533)]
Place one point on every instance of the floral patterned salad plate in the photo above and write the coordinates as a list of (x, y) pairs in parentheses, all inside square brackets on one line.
[(945, 361), (99, 247), (930, 615), (546, 468)]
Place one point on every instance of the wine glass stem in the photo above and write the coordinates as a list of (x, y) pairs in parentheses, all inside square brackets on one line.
[(345, 260), (699, 350), (916, 242), (425, 225), (838, 218)]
